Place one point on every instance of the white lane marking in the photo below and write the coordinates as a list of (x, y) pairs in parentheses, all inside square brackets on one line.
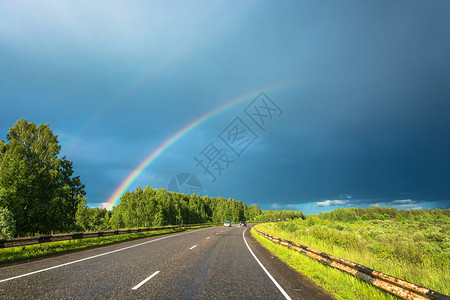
[(95, 256), (192, 247), (265, 270), (145, 280)]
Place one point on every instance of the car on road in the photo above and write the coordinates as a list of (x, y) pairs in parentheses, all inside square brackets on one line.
[(243, 223), (227, 224)]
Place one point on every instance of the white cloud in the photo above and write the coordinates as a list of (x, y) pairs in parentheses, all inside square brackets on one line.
[(416, 208), (99, 205), (275, 206), (399, 204), (331, 203), (292, 206), (405, 201)]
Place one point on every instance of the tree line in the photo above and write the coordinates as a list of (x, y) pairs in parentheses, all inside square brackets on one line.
[(156, 207), (382, 213), (39, 194)]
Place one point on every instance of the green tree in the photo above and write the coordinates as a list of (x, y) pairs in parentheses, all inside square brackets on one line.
[(36, 186), (82, 216), (92, 219)]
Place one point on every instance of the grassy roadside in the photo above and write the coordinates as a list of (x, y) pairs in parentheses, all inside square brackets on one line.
[(342, 285), (414, 250), (23, 253)]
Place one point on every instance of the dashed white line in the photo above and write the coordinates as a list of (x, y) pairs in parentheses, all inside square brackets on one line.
[(192, 247), (145, 280), (265, 270)]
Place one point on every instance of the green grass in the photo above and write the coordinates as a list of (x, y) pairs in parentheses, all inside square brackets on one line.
[(414, 250), (23, 253)]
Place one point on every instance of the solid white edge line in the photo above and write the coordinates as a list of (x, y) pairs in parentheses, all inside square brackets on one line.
[(145, 280), (95, 256), (265, 270), (192, 247)]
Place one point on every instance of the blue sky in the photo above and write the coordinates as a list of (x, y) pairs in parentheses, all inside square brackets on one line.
[(357, 112)]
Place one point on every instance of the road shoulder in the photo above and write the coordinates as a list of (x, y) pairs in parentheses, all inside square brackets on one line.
[(296, 285)]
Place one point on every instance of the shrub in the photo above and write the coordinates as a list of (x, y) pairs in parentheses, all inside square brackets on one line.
[(7, 224), (339, 227), (342, 214), (287, 226), (311, 221), (376, 216), (399, 218)]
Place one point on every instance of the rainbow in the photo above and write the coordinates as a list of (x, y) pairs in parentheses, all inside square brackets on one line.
[(115, 196)]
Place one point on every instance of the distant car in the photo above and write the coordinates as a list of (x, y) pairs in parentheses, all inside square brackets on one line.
[(227, 223), (243, 223)]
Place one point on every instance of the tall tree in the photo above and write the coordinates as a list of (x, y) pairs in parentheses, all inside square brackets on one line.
[(36, 186)]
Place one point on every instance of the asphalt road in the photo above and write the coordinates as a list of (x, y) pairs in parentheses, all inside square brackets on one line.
[(211, 263)]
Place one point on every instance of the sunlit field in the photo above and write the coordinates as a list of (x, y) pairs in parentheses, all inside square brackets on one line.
[(411, 245)]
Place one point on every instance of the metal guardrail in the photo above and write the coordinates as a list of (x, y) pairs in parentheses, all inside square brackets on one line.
[(396, 286), (6, 243)]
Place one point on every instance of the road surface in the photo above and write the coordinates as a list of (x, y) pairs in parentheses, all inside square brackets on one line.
[(210, 263)]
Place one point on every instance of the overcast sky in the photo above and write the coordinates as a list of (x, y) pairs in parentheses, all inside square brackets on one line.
[(355, 110)]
